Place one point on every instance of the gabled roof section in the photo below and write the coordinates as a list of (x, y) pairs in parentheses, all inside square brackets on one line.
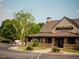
[(76, 21), (70, 20), (46, 30), (47, 27)]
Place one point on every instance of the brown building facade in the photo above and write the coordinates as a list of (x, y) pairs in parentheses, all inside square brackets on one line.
[(62, 33)]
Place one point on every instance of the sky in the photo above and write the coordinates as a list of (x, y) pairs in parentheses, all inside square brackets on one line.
[(40, 9)]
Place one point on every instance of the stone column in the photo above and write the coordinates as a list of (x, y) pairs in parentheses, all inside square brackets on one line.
[(53, 42), (65, 40), (42, 42), (77, 40), (26, 41), (77, 43), (65, 43)]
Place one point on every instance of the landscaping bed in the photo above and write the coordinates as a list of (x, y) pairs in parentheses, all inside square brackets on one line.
[(34, 48)]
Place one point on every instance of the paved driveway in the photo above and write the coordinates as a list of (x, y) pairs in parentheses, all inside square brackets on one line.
[(6, 54)]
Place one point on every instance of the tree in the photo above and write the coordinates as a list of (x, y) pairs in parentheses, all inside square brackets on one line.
[(40, 24), (24, 19), (34, 28), (22, 25), (8, 31)]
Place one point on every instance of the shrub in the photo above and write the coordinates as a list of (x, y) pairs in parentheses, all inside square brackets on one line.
[(32, 44), (29, 47), (55, 49), (35, 42)]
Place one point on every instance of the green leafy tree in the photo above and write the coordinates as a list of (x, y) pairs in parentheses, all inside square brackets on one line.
[(34, 28), (23, 24), (24, 19), (40, 24), (8, 30)]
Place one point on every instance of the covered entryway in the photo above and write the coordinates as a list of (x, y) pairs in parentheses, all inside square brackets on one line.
[(59, 42)]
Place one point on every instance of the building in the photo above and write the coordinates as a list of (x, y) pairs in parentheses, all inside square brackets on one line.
[(62, 33)]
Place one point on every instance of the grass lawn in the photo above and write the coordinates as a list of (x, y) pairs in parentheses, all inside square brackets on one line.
[(70, 50)]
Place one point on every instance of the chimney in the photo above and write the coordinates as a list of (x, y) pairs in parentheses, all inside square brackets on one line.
[(49, 19)]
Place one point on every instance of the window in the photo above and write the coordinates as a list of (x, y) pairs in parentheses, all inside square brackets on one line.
[(71, 41), (64, 28), (48, 40)]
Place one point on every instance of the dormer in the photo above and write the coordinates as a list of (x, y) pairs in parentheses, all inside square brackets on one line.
[(65, 24)]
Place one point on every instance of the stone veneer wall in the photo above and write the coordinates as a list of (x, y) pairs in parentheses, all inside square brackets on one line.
[(44, 44), (51, 45), (73, 46)]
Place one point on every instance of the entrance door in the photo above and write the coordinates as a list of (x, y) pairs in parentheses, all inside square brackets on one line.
[(59, 42)]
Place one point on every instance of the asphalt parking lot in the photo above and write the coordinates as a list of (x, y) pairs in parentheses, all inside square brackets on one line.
[(6, 54)]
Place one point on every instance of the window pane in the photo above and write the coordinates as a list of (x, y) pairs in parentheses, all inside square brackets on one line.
[(71, 41)]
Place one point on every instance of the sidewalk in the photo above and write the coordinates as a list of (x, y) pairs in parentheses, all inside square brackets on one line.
[(45, 51), (48, 51), (42, 51), (15, 48)]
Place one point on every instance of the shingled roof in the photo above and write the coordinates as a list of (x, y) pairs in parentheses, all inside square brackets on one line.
[(76, 21), (49, 25), (47, 28), (57, 34)]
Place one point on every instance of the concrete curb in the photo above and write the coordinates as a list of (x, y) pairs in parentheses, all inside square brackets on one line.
[(15, 48), (46, 51)]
